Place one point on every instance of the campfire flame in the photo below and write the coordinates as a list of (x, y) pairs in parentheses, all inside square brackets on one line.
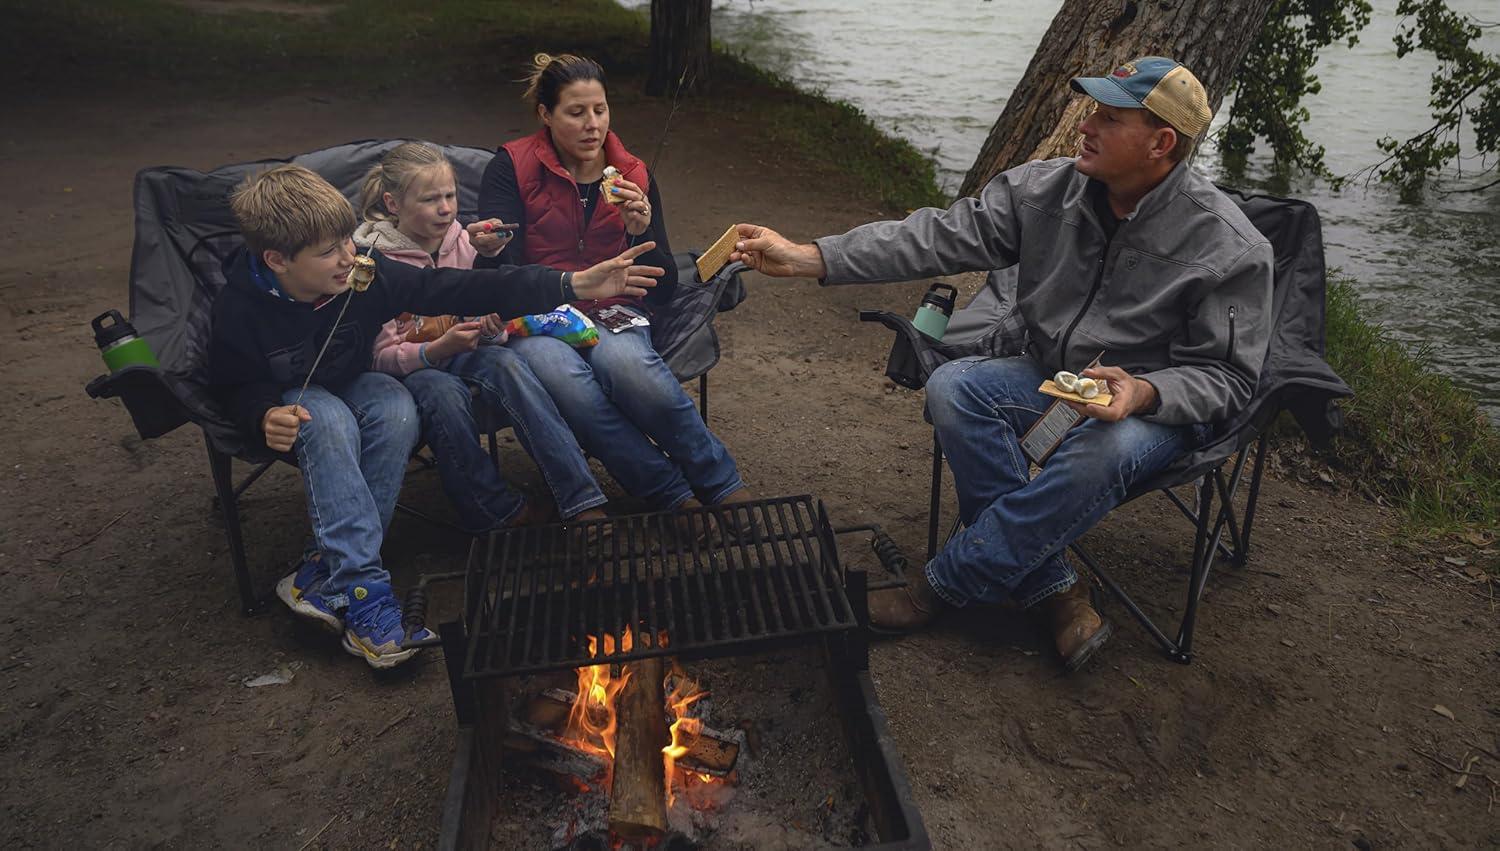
[(684, 693), (592, 720)]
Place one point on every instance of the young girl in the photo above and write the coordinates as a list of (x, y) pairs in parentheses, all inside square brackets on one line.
[(409, 204), (625, 405)]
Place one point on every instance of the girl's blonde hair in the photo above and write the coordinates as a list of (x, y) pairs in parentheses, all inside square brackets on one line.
[(549, 75), (395, 173)]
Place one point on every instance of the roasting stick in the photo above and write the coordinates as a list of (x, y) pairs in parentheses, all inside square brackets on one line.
[(360, 277)]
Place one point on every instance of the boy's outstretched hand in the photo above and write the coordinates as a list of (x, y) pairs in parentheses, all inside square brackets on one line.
[(770, 253), (618, 276), (281, 426)]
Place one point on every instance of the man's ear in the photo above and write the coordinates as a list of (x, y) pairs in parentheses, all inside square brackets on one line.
[(1163, 141), (275, 260)]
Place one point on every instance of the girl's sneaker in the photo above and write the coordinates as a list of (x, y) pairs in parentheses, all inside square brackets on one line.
[(373, 629), (302, 591)]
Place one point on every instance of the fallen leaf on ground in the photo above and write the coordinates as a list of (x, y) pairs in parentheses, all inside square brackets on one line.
[(1456, 561), (1443, 711)]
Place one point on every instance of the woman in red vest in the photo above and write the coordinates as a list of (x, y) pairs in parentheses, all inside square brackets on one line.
[(623, 403)]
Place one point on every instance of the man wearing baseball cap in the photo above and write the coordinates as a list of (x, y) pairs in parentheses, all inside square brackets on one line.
[(1123, 250)]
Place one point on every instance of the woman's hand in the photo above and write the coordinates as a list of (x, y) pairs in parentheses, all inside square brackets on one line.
[(636, 209), (770, 253), (490, 236), (618, 276), (462, 337)]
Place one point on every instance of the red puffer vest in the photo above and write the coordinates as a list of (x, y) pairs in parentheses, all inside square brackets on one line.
[(554, 234)]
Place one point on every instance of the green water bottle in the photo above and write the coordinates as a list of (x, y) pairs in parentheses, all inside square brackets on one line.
[(934, 311), (119, 343)]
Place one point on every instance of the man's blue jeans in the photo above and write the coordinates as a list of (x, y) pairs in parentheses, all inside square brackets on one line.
[(506, 384), (619, 397), (353, 455), (1017, 527)]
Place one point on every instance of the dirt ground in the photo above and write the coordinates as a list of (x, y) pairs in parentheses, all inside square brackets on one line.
[(1343, 682)]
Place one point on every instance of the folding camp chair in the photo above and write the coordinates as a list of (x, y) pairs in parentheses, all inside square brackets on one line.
[(1294, 378), (184, 235)]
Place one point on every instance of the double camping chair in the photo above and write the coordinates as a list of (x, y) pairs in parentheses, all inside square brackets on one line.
[(1294, 378), (184, 235)]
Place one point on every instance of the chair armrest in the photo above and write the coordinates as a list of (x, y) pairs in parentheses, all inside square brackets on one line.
[(152, 404), (913, 354)]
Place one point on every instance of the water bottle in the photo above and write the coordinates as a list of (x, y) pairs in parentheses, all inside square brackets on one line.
[(119, 344), (934, 311)]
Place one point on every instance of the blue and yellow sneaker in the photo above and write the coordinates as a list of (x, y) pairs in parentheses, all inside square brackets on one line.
[(302, 591), (373, 629)]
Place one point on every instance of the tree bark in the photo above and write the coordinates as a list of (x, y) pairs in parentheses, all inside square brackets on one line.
[(1091, 38), (681, 47)]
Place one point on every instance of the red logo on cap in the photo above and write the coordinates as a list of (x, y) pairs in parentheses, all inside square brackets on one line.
[(1126, 70)]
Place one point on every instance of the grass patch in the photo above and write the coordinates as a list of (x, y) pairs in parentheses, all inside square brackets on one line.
[(1411, 434)]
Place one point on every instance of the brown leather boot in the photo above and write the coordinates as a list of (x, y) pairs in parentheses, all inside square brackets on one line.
[(1076, 627), (894, 611)]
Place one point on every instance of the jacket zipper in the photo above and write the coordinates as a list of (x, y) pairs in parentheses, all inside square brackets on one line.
[(1062, 353), (1230, 357)]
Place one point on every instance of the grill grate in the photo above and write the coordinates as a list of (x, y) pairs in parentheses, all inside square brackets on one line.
[(704, 581)]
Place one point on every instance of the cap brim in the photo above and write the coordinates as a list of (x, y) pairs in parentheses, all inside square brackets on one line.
[(1106, 91)]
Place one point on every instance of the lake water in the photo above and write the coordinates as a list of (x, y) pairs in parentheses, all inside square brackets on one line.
[(938, 73)]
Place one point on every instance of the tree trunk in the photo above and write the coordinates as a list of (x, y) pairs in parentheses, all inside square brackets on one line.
[(1091, 38), (681, 47)]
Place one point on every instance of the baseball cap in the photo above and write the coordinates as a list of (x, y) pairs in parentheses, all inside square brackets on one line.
[(1164, 86)]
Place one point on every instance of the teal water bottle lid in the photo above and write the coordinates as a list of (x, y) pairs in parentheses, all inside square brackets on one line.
[(940, 301)]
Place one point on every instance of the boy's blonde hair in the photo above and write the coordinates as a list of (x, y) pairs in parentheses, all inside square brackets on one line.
[(397, 169), (288, 208)]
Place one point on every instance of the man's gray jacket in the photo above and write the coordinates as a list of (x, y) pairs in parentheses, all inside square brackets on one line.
[(1181, 297)]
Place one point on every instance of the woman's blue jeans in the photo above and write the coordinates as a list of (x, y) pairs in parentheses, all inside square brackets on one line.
[(352, 455), (1017, 527), (630, 412), (505, 384)]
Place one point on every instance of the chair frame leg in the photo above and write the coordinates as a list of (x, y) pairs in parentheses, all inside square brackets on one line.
[(935, 498), (1242, 552), (227, 501)]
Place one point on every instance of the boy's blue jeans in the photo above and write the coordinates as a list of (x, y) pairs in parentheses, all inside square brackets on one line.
[(506, 384), (1017, 527), (353, 455), (619, 397)]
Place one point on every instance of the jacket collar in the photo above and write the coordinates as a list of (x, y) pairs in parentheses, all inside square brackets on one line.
[(1079, 195)]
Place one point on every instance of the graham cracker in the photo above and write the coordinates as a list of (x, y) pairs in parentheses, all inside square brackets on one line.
[(1051, 389), (716, 256)]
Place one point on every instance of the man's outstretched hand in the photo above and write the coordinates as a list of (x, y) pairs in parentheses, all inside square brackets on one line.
[(618, 276), (1131, 395), (770, 253)]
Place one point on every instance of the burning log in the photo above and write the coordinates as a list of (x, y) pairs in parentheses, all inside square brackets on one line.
[(638, 794), (708, 750)]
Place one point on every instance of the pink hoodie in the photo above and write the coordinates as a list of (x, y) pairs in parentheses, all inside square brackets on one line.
[(393, 354)]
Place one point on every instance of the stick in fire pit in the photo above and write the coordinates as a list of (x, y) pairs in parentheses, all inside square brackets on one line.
[(638, 792)]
